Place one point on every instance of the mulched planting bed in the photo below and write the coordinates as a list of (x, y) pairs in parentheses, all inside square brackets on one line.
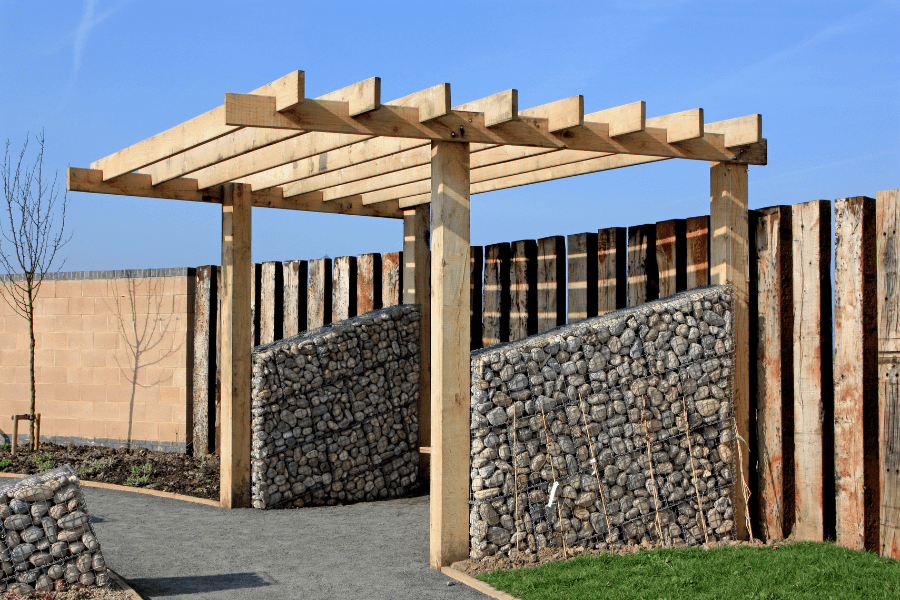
[(135, 467)]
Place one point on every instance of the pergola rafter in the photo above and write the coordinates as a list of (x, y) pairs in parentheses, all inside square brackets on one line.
[(346, 152)]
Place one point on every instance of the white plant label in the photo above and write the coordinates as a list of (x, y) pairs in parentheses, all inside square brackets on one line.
[(553, 493)]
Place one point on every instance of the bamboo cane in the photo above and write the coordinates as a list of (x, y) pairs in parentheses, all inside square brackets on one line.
[(553, 471), (596, 469), (687, 428)]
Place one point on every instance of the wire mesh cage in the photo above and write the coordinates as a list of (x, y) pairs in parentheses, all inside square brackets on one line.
[(611, 431), (48, 542)]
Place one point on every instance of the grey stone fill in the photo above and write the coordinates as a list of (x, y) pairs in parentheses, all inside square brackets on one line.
[(600, 407)]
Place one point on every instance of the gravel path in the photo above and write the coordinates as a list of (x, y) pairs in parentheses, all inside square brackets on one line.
[(173, 549)]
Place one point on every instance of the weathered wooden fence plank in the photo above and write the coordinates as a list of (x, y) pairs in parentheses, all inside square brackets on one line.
[(670, 256), (271, 302), (522, 289), (582, 276), (888, 261), (343, 299), (697, 251), (496, 295), (319, 295), (255, 303), (612, 269), (643, 273), (217, 421), (296, 273), (204, 298), (391, 278), (368, 283), (855, 374), (774, 373), (476, 259), (813, 385), (551, 282)]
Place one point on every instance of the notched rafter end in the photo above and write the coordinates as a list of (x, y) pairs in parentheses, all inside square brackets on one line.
[(622, 120)]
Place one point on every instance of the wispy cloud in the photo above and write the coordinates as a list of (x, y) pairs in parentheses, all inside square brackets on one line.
[(81, 35), (836, 29), (89, 19)]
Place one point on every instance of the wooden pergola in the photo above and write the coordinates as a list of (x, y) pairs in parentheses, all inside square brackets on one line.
[(417, 158)]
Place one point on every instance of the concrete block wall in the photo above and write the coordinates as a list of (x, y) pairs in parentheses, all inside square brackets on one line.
[(85, 339)]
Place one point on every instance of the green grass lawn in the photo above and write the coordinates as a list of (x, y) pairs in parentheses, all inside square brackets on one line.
[(793, 571)]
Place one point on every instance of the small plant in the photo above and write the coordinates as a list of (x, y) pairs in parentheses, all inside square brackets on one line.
[(44, 462), (97, 465), (139, 475), (5, 446), (5, 463)]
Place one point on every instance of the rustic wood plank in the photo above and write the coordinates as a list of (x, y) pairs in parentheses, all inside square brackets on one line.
[(551, 282), (496, 295), (391, 278), (582, 276), (643, 273), (217, 420), (343, 298), (236, 340), (775, 365), (296, 273), (255, 302), (813, 386), (522, 289), (271, 312), (888, 251), (476, 260), (498, 108), (561, 114), (612, 264), (200, 436), (417, 290), (670, 256), (729, 263), (319, 294), (368, 283), (450, 342), (855, 374), (697, 252), (739, 131)]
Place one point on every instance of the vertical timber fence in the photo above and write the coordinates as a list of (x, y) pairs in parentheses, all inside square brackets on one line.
[(817, 355)]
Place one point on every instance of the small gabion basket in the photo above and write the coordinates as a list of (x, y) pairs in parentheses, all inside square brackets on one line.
[(47, 542)]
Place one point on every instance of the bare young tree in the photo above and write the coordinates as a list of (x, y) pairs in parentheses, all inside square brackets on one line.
[(32, 240), (143, 331)]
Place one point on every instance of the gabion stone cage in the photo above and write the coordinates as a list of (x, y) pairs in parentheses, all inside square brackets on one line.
[(614, 430), (48, 543)]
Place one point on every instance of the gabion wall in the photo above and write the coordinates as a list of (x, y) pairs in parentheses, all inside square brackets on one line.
[(600, 411), (336, 412), (47, 539)]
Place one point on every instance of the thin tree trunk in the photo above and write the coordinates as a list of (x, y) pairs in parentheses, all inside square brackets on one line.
[(31, 358), (131, 403)]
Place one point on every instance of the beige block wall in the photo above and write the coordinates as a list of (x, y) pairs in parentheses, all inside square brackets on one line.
[(108, 352)]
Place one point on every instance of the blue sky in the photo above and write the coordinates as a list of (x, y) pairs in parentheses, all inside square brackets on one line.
[(100, 75)]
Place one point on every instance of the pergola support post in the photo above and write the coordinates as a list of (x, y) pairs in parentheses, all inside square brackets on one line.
[(730, 263), (236, 346), (417, 290), (450, 328)]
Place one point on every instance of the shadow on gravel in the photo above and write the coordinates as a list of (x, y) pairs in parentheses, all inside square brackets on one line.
[(174, 586)]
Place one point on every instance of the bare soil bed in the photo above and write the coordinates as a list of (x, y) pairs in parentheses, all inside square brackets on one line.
[(136, 467)]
